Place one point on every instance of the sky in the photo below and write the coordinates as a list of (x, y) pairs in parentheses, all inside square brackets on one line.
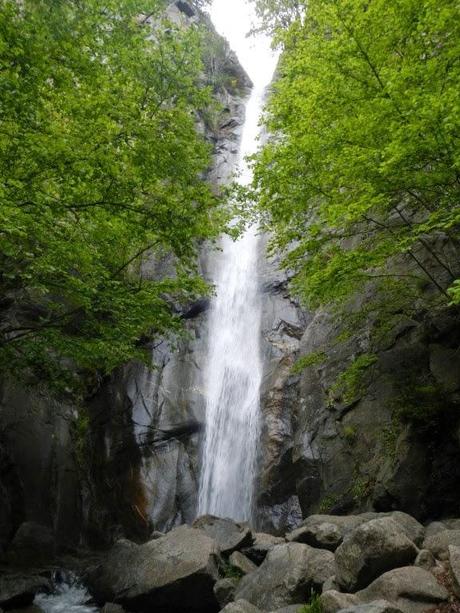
[(233, 19)]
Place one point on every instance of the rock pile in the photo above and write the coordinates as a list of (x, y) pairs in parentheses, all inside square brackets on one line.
[(368, 563)]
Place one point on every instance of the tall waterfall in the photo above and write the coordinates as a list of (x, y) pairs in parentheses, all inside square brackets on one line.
[(233, 371)]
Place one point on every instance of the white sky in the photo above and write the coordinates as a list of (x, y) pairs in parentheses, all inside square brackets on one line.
[(233, 19)]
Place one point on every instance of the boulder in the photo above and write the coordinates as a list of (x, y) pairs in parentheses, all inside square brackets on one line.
[(287, 576), (434, 528), (425, 559), (333, 601), (228, 534), (413, 529), (331, 584), (241, 606), (224, 590), (370, 550), (323, 535), (439, 543), (454, 567), (242, 563), (171, 574), (19, 590), (263, 543), (376, 606), (411, 589)]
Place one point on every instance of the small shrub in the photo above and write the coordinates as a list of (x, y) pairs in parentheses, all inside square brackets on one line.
[(314, 606), (312, 359)]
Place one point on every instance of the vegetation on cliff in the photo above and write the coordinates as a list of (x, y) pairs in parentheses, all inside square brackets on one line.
[(360, 181), (100, 164)]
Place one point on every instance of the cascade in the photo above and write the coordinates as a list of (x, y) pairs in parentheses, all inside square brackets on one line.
[(233, 369)]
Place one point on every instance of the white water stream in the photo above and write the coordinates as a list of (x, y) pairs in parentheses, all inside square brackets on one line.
[(233, 372)]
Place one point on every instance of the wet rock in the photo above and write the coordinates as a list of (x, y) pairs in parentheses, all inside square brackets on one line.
[(410, 589), (263, 543), (323, 535), (19, 590), (224, 589), (377, 606), (287, 576), (333, 601), (241, 606), (229, 535), (439, 543), (370, 550), (173, 574), (240, 561), (425, 559)]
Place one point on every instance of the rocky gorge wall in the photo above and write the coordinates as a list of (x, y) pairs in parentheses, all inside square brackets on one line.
[(129, 462)]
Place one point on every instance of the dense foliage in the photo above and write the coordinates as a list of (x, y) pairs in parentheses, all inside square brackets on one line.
[(360, 181), (101, 167)]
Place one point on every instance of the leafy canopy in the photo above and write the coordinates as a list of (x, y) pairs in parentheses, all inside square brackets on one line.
[(100, 165), (363, 167)]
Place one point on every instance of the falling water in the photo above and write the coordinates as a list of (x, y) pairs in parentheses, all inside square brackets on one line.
[(233, 371)]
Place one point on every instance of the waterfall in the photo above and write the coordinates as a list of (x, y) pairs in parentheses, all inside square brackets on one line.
[(233, 370)]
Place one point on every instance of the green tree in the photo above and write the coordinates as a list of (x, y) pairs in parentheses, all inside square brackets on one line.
[(360, 181), (101, 168)]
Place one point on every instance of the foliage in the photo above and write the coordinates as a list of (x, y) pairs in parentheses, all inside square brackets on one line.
[(228, 571), (350, 433), (101, 173), (363, 168), (350, 382), (306, 361), (328, 503), (314, 606)]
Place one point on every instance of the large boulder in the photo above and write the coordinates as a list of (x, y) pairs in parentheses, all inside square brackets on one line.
[(228, 534), (242, 563), (263, 543), (287, 576), (19, 590), (411, 589), (332, 601), (439, 543), (172, 574), (370, 550), (323, 535)]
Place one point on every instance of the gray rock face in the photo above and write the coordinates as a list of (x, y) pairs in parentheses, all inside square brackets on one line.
[(454, 567), (32, 542), (18, 591), (370, 550), (229, 535), (425, 559), (224, 590), (323, 535), (410, 589), (263, 543), (174, 573), (333, 601), (240, 561), (377, 606), (241, 606), (439, 543), (287, 576)]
